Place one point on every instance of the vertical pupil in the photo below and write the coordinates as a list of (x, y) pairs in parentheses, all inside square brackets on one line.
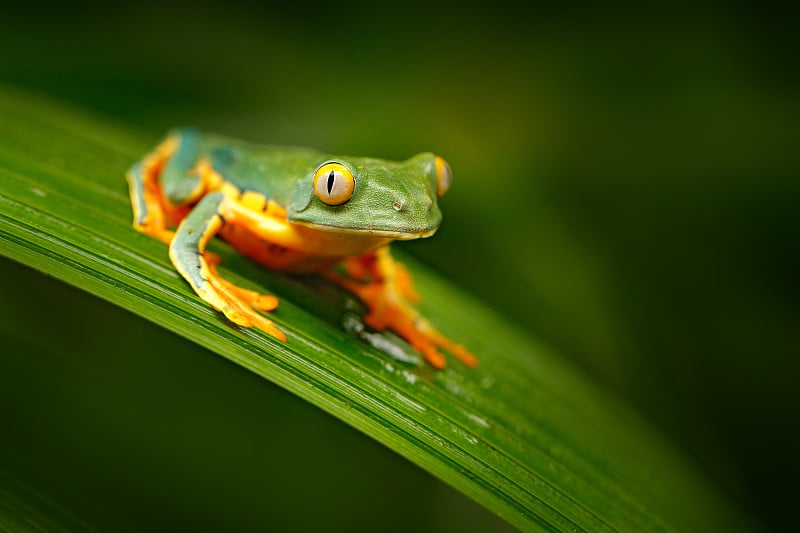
[(331, 179)]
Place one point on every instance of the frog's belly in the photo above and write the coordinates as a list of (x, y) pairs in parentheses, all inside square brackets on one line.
[(317, 252)]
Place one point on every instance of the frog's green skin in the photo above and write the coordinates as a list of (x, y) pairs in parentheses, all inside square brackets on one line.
[(262, 199)]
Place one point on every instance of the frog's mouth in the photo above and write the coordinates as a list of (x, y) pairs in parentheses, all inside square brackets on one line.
[(371, 232)]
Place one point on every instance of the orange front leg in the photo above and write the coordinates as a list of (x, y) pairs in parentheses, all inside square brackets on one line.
[(386, 288)]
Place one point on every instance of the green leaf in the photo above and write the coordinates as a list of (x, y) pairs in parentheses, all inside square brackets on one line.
[(525, 434)]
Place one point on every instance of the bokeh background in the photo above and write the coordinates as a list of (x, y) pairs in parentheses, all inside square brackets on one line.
[(626, 180)]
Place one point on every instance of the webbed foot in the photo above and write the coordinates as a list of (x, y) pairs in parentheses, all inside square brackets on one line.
[(239, 305), (256, 300)]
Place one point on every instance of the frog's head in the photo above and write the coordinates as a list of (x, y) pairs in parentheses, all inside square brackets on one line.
[(373, 196)]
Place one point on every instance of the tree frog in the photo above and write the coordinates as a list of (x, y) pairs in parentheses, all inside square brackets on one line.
[(297, 210)]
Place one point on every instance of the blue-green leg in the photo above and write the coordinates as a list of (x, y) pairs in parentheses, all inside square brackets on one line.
[(187, 248), (187, 253)]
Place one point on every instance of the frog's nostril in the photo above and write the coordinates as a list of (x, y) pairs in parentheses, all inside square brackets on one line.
[(397, 206)]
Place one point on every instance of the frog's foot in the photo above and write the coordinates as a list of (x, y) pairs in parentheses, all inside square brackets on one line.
[(387, 295), (227, 298), (414, 328)]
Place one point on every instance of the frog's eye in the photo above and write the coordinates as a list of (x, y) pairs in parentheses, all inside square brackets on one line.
[(334, 183), (444, 176)]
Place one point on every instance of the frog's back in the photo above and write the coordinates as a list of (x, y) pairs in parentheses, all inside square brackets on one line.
[(269, 170)]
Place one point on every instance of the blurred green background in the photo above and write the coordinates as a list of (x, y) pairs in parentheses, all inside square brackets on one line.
[(626, 180)]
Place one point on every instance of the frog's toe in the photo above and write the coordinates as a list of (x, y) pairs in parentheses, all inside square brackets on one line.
[(433, 357), (263, 302), (436, 340), (465, 355), (249, 318), (440, 340), (266, 325)]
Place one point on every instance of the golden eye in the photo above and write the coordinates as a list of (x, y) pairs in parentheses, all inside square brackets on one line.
[(444, 176), (334, 183)]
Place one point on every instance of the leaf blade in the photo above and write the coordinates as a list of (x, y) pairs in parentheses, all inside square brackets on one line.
[(524, 434)]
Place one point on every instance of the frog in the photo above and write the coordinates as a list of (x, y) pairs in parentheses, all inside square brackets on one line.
[(296, 210)]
